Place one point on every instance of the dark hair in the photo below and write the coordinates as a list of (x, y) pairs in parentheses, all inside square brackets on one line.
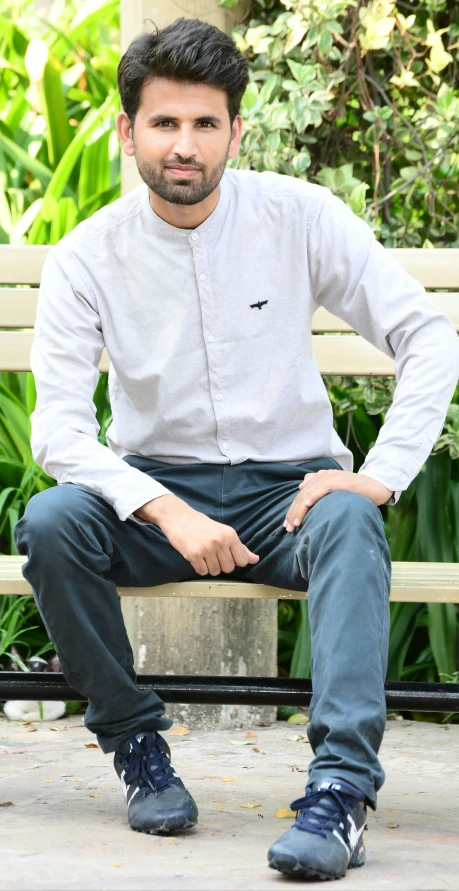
[(188, 50)]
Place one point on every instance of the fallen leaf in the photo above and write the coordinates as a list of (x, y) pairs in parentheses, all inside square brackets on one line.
[(64, 727), (91, 746), (283, 812), (250, 733), (250, 805), (29, 728), (298, 769), (77, 780), (259, 751), (298, 719), (393, 825), (6, 803), (116, 864), (48, 781), (229, 779), (94, 796), (299, 737), (241, 742), (178, 730)]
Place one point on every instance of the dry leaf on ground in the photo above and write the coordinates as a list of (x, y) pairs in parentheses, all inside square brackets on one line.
[(299, 737), (259, 751), (178, 730), (393, 825), (91, 746), (283, 812), (94, 796), (250, 804), (229, 779), (250, 733), (241, 742), (6, 804), (298, 719)]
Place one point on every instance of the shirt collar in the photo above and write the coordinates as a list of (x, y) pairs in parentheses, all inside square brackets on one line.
[(173, 233)]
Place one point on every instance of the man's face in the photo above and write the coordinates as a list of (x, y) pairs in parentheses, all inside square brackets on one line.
[(181, 139)]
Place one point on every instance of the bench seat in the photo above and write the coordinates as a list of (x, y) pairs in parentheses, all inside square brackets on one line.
[(411, 582)]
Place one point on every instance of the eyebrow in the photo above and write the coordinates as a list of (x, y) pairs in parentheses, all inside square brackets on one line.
[(155, 118)]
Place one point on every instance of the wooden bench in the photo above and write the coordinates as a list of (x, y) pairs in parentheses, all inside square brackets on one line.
[(345, 355)]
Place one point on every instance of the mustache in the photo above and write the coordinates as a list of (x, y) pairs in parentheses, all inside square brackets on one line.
[(184, 162)]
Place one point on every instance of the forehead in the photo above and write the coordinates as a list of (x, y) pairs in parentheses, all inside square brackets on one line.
[(181, 99)]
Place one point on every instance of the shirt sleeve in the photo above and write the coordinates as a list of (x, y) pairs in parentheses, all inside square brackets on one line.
[(355, 278), (66, 351)]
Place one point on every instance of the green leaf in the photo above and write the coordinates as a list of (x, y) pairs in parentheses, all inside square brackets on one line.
[(61, 174), (58, 130), (250, 96), (301, 659)]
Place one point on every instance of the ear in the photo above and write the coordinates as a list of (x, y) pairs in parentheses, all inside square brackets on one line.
[(124, 130), (236, 136)]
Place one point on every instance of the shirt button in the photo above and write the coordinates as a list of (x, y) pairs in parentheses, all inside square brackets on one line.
[(195, 236), (203, 276), (226, 445), (211, 338), (219, 396)]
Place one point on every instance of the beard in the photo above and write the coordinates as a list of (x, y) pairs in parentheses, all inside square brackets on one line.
[(182, 191)]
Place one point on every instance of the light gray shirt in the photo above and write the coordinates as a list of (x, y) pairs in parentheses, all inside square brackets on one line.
[(198, 374)]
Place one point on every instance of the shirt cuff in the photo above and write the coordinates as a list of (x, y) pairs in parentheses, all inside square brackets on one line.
[(378, 478)]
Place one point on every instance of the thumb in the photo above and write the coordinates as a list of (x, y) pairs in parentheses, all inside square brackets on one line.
[(253, 558)]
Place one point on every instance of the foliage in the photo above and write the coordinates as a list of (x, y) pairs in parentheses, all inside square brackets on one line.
[(349, 95), (59, 155)]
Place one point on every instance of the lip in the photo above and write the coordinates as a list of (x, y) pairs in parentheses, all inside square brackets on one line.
[(183, 171)]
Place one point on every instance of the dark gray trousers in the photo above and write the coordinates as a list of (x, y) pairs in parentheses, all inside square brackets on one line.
[(78, 551)]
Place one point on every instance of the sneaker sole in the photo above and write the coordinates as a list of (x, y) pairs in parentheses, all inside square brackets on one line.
[(290, 866), (166, 828)]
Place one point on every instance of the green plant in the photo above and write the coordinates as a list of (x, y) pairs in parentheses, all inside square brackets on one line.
[(59, 152)]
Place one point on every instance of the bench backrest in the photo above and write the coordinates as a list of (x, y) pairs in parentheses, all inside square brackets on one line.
[(343, 355)]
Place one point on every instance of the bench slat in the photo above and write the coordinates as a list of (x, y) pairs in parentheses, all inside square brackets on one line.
[(436, 268), (18, 309), (347, 354), (411, 582)]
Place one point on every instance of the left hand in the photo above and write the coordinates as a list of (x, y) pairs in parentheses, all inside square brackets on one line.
[(316, 485)]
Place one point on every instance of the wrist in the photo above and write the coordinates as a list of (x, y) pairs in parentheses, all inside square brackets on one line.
[(154, 511)]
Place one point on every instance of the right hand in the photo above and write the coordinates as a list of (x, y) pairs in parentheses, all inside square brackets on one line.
[(210, 547)]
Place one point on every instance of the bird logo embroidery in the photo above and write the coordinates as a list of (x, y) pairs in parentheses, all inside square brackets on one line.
[(260, 304)]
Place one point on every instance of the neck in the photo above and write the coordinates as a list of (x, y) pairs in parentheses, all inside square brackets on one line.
[(184, 216)]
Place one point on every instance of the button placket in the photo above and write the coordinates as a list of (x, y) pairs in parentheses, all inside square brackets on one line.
[(209, 325)]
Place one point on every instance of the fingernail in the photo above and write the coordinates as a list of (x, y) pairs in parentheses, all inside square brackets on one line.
[(289, 528), (284, 523), (296, 522), (309, 502)]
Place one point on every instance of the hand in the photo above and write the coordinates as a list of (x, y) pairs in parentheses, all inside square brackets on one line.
[(210, 547), (316, 485)]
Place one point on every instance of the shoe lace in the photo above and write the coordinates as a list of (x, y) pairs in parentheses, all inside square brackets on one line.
[(147, 763), (318, 811)]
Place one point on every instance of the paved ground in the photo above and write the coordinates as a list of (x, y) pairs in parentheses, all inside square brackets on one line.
[(66, 829)]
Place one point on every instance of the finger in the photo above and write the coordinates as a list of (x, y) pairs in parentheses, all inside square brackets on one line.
[(309, 478), (225, 559), (242, 555), (200, 566), (213, 564), (301, 506)]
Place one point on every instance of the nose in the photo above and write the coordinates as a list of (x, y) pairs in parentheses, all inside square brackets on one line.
[(185, 144)]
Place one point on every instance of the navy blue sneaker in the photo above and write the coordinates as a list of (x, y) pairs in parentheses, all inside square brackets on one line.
[(325, 839), (156, 797)]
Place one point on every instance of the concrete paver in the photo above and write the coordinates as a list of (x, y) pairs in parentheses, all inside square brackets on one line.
[(66, 827)]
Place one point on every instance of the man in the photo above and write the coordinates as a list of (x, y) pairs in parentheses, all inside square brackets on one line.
[(222, 454)]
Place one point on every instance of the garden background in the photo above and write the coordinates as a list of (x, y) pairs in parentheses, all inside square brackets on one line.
[(360, 97)]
